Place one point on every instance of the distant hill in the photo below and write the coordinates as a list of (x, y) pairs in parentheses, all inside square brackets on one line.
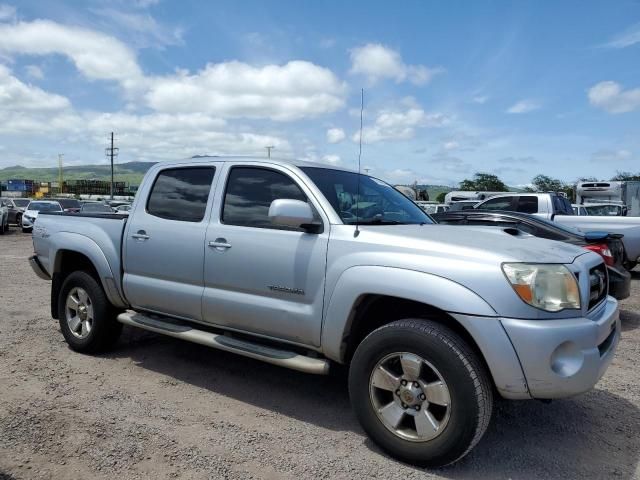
[(131, 172)]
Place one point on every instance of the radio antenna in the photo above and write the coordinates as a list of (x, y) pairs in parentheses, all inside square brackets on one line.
[(357, 232)]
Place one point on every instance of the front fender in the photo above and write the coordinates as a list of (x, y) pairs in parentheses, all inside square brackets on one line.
[(355, 282), (84, 245)]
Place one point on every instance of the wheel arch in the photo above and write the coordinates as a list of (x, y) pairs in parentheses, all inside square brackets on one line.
[(358, 288), (83, 256)]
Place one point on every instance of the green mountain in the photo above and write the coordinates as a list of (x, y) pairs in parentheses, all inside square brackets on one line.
[(131, 172)]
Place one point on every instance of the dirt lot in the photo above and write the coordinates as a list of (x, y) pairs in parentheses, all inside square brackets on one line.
[(159, 407)]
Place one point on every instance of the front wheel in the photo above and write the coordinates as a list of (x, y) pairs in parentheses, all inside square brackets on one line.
[(420, 392), (87, 319)]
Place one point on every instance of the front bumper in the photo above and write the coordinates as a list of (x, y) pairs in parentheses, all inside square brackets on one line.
[(619, 283), (27, 223), (565, 357)]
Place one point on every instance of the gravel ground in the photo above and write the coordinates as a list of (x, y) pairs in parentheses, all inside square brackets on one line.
[(159, 407)]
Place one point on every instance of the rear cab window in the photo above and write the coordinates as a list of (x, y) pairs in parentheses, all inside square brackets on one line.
[(181, 194)]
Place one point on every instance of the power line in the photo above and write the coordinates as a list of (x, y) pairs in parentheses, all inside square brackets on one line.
[(111, 152), (269, 148)]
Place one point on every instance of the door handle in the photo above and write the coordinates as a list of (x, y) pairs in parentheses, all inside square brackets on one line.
[(141, 235), (220, 244)]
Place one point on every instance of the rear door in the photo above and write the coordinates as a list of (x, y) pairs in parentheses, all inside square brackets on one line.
[(164, 241), (259, 277)]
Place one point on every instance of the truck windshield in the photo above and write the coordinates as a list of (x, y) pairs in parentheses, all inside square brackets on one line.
[(377, 203)]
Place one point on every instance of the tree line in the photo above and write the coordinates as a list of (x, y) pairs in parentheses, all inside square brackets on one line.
[(487, 182)]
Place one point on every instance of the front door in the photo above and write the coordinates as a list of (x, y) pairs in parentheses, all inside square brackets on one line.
[(164, 242), (259, 277)]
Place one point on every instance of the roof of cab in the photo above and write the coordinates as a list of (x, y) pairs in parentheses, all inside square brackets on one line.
[(240, 159)]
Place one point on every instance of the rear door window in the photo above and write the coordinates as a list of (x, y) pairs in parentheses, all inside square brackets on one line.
[(500, 203), (181, 193), (528, 204)]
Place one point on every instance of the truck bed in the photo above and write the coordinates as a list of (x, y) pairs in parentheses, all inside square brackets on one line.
[(91, 234)]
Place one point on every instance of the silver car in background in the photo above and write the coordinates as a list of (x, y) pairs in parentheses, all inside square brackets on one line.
[(33, 210)]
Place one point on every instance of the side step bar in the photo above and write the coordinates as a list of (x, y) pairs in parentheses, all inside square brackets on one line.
[(185, 331)]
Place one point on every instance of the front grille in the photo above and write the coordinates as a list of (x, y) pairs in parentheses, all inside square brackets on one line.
[(598, 283)]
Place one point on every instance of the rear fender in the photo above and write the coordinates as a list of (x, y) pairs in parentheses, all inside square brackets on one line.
[(74, 242)]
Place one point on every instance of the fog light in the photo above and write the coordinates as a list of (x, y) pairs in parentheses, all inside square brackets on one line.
[(567, 359)]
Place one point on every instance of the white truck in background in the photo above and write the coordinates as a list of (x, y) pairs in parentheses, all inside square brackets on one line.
[(557, 208), (626, 194)]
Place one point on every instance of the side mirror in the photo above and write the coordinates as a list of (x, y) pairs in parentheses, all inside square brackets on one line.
[(291, 213)]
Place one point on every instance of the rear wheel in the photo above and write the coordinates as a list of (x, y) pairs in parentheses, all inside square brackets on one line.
[(2, 227), (19, 220), (87, 319), (420, 392)]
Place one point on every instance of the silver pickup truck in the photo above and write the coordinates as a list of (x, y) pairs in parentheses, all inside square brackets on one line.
[(305, 265)]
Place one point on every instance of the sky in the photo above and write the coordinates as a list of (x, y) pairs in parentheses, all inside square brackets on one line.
[(450, 88)]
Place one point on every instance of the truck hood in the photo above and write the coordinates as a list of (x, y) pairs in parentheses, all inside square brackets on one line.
[(480, 244)]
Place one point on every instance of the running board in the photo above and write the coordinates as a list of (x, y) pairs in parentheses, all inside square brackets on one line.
[(185, 331)]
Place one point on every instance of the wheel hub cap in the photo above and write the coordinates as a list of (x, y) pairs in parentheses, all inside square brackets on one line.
[(79, 312), (410, 397)]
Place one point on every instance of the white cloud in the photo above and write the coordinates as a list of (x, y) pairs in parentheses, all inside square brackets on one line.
[(610, 96), (335, 135), (608, 156), (331, 159), (480, 99), (140, 29), (451, 145), (96, 55), (234, 89), (523, 106), (629, 37), (394, 125), (34, 71), (295, 90), (7, 12), (376, 61), (18, 97)]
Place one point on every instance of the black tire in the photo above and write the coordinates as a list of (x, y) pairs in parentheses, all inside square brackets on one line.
[(19, 220), (105, 329), (26, 230), (2, 227), (471, 395)]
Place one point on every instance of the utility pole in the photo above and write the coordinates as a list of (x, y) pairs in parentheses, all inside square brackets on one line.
[(269, 148), (60, 179), (111, 152)]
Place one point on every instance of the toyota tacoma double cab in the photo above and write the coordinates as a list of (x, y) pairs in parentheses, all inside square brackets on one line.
[(308, 265)]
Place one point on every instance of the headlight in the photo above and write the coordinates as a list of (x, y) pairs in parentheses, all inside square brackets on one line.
[(548, 287)]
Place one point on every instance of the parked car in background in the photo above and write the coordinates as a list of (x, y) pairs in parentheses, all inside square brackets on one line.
[(579, 210), (463, 205), (123, 209), (33, 210), (433, 207), (4, 216), (625, 193), (605, 209), (608, 245), (16, 209), (557, 208), (304, 265), (69, 205), (98, 208)]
